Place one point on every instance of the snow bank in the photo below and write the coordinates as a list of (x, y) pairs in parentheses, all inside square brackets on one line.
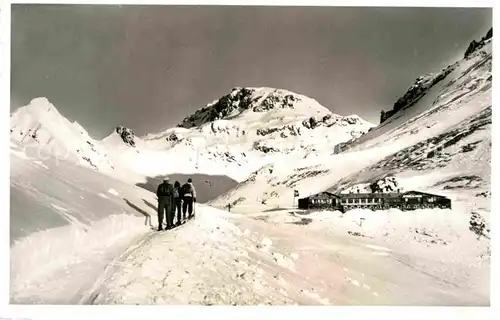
[(57, 261), (426, 231)]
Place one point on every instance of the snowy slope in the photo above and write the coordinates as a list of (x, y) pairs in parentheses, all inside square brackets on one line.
[(445, 132), (43, 131), (89, 234), (237, 134), (284, 258), (66, 223), (97, 248)]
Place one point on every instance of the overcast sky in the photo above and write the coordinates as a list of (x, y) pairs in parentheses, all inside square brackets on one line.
[(149, 67)]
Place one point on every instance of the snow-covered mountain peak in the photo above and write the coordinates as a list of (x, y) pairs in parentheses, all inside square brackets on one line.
[(239, 133), (252, 102), (39, 125), (434, 137), (42, 103), (27, 120), (39, 108)]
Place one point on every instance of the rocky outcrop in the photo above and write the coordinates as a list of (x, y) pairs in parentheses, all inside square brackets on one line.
[(286, 131), (352, 119), (385, 185), (127, 135), (424, 83), (417, 91), (277, 101), (238, 99), (476, 45), (478, 225), (173, 137), (311, 123), (264, 146), (225, 128)]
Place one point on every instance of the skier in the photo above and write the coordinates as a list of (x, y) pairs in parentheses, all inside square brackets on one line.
[(165, 203), (178, 202), (188, 198)]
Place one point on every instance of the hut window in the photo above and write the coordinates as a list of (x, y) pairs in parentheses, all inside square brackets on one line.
[(349, 201)]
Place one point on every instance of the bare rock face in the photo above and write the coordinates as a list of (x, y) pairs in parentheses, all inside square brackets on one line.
[(173, 137), (264, 147), (475, 45), (311, 123), (424, 83), (286, 131), (385, 185), (478, 225), (419, 89), (277, 101), (127, 135), (238, 99)]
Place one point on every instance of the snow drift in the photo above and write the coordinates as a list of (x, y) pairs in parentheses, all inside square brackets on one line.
[(66, 223)]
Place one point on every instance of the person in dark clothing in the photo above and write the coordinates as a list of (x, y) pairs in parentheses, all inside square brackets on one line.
[(188, 198), (178, 202), (165, 203)]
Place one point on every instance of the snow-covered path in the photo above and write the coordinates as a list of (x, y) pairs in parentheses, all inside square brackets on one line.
[(207, 261), (231, 259)]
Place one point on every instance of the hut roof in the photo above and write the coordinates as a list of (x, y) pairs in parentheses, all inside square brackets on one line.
[(330, 194), (423, 193), (369, 195)]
